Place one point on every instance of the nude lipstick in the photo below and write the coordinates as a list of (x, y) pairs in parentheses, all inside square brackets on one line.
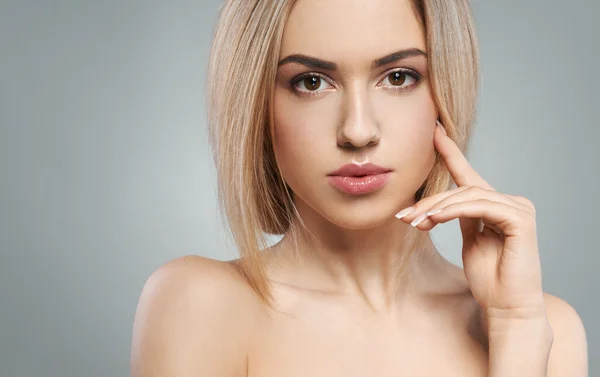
[(359, 179)]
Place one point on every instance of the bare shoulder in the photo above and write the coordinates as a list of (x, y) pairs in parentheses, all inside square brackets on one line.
[(568, 356), (193, 318)]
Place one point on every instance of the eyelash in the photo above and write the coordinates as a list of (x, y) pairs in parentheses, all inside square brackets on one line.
[(414, 75)]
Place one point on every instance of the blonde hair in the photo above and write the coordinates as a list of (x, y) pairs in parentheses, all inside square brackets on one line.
[(253, 197)]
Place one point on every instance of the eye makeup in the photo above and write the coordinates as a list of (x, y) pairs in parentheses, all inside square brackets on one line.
[(410, 75)]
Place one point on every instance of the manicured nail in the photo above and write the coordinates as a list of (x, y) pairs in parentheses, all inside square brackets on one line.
[(404, 212), (441, 127), (434, 211), (416, 221)]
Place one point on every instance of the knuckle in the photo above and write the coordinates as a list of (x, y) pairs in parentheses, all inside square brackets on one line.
[(526, 219), (527, 202), (474, 189), (481, 190)]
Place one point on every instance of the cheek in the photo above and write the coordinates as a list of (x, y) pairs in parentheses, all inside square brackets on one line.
[(407, 127), (304, 134)]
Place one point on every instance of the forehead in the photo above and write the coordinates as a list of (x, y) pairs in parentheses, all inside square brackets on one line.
[(348, 31)]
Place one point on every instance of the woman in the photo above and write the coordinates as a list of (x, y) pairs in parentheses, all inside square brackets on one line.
[(341, 125)]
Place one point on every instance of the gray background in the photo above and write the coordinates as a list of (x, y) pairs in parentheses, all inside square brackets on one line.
[(106, 173)]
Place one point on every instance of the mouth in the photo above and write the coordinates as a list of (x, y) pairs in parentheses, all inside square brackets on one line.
[(359, 179)]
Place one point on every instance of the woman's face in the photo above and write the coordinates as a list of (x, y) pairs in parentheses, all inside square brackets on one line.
[(341, 98)]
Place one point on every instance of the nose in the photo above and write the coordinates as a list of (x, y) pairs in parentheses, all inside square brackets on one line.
[(358, 128)]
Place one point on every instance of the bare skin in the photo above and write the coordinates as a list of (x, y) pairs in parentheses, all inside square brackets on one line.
[(344, 311), (198, 317), (433, 328)]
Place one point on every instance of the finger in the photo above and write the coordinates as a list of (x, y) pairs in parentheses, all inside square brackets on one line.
[(425, 204), (461, 171), (523, 200), (462, 194), (510, 220)]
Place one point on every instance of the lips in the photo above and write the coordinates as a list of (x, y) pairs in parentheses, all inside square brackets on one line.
[(359, 179), (353, 170)]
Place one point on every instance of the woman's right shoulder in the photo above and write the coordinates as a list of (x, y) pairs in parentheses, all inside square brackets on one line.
[(194, 317)]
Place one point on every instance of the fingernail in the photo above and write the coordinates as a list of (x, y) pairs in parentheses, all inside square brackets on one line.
[(416, 221), (441, 127), (404, 212), (434, 211)]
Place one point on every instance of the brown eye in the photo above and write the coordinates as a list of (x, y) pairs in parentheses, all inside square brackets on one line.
[(401, 80), (312, 82), (397, 78), (309, 84)]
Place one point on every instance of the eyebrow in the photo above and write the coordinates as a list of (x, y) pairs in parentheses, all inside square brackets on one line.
[(313, 62)]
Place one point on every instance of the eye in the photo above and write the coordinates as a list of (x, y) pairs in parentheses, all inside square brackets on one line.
[(308, 84), (311, 83), (402, 79)]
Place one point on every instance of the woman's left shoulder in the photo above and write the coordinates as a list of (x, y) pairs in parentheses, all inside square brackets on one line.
[(563, 317), (568, 356)]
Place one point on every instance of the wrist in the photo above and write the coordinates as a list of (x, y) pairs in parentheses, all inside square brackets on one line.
[(519, 347), (498, 321), (536, 311), (524, 323), (538, 332)]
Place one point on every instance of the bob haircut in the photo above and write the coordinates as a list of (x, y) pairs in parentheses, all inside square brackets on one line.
[(253, 197)]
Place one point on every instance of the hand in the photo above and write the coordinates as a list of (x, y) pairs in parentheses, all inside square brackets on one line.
[(500, 249)]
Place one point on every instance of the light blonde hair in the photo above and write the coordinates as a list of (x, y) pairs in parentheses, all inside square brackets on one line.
[(253, 197)]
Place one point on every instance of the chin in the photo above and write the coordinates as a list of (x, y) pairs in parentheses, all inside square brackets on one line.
[(361, 224), (360, 216)]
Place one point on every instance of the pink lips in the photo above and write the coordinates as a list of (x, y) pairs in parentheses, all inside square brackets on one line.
[(359, 179)]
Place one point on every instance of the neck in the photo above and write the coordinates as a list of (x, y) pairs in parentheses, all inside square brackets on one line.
[(376, 264)]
